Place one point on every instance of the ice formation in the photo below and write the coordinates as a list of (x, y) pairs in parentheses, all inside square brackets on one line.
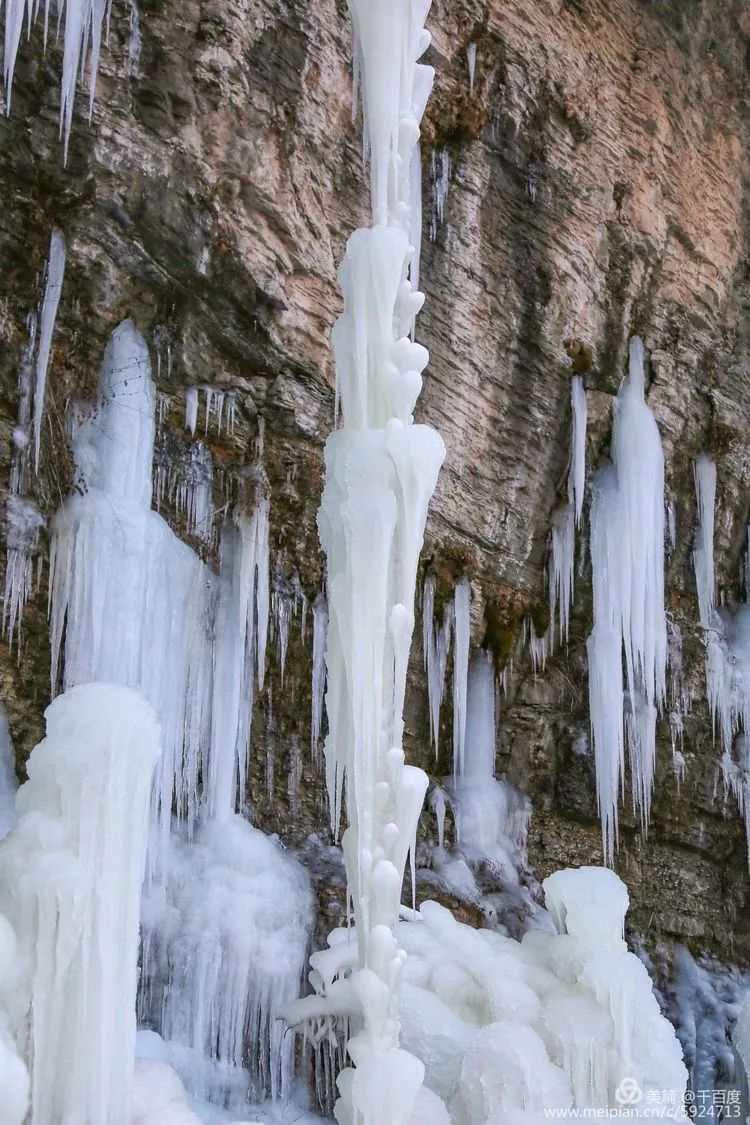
[(23, 519), (568, 518), (83, 814), (225, 938), (53, 289), (436, 640), (627, 556), (471, 60), (491, 821), (84, 22), (461, 633), (320, 633), (703, 550), (147, 619), (514, 1031), (381, 470)]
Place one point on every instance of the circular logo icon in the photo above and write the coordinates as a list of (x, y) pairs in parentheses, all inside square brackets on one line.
[(628, 1092)]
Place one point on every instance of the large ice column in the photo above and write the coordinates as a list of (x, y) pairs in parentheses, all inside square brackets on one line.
[(627, 556), (70, 883), (381, 470)]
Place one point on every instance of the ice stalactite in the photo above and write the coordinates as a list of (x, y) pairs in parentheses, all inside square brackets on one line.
[(83, 816), (440, 178), (436, 641), (381, 470), (568, 518), (191, 409), (471, 61), (84, 22), (627, 555), (703, 549), (48, 316), (320, 632), (461, 632)]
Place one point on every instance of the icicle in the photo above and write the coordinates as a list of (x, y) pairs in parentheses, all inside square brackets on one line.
[(462, 622), (567, 519), (703, 552), (471, 59), (577, 474), (191, 409), (82, 41), (435, 647), (440, 175), (320, 631), (55, 274), (70, 882)]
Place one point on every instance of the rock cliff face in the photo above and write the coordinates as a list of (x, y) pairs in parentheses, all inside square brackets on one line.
[(592, 181)]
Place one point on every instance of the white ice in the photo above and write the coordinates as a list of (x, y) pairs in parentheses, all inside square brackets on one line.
[(52, 291), (70, 883), (627, 555)]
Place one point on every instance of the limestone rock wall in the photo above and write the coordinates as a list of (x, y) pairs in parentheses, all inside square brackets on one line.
[(598, 185)]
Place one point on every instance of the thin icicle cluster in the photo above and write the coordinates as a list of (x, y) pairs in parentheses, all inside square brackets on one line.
[(216, 402), (562, 554), (381, 470), (70, 882), (627, 556), (23, 519), (85, 20)]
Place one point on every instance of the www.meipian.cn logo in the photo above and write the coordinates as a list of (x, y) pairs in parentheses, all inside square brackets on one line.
[(628, 1092)]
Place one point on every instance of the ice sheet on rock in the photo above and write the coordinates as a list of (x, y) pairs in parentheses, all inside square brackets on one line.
[(703, 1001), (70, 882), (224, 946)]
